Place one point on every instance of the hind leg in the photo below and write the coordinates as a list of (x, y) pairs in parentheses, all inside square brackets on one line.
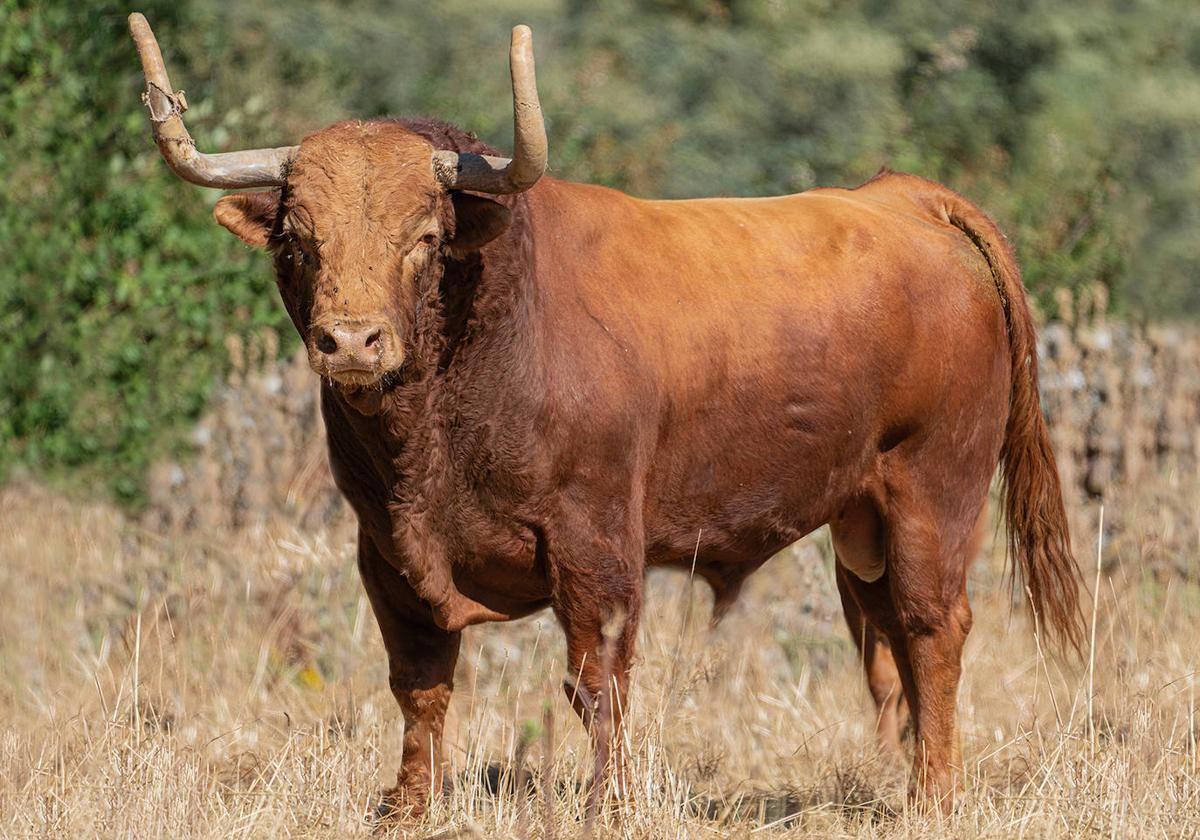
[(883, 677), (928, 541), (917, 600)]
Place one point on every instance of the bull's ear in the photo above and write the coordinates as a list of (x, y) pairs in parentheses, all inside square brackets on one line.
[(477, 222), (248, 216)]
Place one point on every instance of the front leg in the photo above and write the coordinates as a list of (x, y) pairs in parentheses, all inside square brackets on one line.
[(421, 660), (597, 596)]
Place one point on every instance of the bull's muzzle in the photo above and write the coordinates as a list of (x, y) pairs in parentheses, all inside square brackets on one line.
[(354, 352)]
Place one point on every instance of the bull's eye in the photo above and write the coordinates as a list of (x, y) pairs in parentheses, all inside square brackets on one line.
[(300, 253), (291, 250), (429, 240)]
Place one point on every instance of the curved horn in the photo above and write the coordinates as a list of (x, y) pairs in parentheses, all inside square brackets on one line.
[(231, 170), (465, 171)]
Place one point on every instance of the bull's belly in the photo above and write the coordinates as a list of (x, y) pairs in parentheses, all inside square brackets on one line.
[(750, 539), (745, 509)]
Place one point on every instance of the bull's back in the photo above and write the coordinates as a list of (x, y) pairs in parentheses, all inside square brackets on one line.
[(667, 278)]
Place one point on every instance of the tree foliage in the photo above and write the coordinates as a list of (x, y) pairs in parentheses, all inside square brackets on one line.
[(1075, 122)]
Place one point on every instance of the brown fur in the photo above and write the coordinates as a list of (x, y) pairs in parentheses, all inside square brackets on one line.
[(591, 384)]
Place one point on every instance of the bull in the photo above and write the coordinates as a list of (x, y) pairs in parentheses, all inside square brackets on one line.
[(534, 390)]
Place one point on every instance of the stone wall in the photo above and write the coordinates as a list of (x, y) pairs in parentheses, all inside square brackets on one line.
[(1123, 401)]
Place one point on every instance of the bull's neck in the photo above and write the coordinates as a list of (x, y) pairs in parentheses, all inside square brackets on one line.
[(478, 379)]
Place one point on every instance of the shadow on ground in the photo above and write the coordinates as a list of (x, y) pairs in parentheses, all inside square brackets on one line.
[(860, 794)]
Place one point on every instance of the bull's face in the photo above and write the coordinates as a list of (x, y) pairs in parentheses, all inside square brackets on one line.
[(363, 216), (359, 233)]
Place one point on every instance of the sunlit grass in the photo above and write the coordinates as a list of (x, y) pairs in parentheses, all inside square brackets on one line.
[(234, 685)]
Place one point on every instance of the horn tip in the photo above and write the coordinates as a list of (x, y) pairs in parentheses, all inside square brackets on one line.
[(139, 27), (521, 33)]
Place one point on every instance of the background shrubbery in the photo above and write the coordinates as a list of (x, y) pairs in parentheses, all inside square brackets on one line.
[(1076, 123)]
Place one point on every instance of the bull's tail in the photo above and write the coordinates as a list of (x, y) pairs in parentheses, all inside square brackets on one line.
[(1038, 538)]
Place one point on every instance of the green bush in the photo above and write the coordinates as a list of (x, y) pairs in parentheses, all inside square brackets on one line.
[(117, 289)]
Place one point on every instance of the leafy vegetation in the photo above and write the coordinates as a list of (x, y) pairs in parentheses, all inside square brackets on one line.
[(117, 290), (1076, 123)]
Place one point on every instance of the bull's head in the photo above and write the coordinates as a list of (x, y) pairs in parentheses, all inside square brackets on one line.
[(361, 213)]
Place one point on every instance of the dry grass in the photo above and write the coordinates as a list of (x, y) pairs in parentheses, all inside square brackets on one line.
[(222, 685)]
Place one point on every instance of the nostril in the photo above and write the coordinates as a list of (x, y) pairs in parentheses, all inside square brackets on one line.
[(373, 337), (327, 343)]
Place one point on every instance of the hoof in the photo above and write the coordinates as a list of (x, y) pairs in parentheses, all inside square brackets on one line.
[(935, 799), (396, 807)]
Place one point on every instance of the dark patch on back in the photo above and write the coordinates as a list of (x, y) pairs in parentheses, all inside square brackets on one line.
[(884, 172), (443, 135)]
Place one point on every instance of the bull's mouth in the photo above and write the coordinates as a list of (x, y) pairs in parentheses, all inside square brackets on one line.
[(354, 377), (360, 379), (374, 374), (368, 397)]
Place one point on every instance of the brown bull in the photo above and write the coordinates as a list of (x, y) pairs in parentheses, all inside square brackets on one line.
[(530, 400)]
